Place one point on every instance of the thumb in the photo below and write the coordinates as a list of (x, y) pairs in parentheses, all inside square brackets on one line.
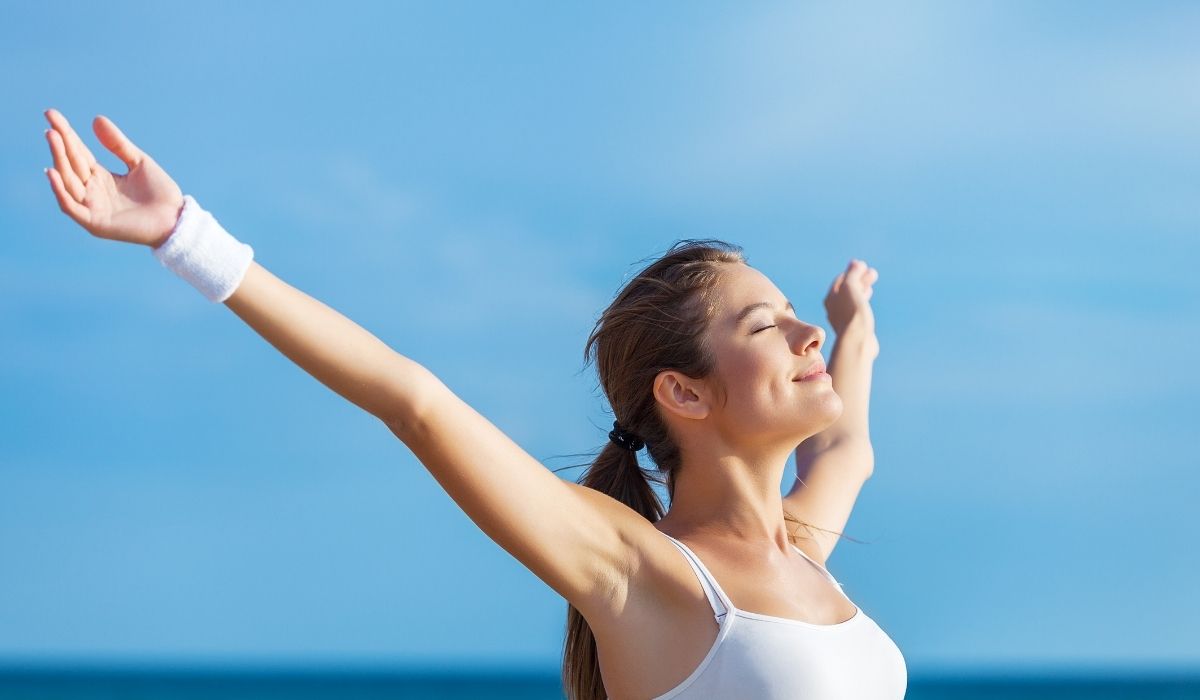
[(837, 283), (117, 142)]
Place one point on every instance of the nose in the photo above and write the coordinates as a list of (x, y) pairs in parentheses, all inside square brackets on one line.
[(807, 337)]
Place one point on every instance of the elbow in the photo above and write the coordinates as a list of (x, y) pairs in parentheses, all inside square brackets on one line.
[(402, 425), (866, 460), (408, 399)]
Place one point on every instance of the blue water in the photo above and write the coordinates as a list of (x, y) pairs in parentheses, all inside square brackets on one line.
[(97, 685)]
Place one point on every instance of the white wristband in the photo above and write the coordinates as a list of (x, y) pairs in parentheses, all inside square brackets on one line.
[(204, 254)]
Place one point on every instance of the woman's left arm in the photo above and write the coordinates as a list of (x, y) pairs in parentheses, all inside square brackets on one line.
[(850, 364), (833, 465)]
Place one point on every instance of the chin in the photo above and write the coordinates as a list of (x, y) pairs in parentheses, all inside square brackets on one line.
[(824, 412)]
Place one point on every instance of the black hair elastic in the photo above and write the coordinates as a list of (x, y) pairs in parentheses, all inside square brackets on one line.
[(625, 439)]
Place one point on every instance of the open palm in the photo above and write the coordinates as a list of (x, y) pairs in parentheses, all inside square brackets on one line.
[(140, 206)]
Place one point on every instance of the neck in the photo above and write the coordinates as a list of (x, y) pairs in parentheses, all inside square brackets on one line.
[(727, 496)]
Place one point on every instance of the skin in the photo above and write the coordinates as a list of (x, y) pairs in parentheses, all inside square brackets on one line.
[(735, 448), (140, 206), (727, 504)]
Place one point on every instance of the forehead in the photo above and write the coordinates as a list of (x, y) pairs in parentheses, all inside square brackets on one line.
[(742, 285)]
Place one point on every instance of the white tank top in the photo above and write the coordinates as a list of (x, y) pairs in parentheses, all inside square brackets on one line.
[(775, 658)]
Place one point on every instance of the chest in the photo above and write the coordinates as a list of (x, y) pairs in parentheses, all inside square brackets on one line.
[(667, 629)]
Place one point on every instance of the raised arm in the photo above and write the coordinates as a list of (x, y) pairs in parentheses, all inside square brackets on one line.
[(576, 539), (579, 541), (833, 465), (335, 350)]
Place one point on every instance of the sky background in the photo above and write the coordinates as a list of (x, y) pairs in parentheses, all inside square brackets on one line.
[(473, 182)]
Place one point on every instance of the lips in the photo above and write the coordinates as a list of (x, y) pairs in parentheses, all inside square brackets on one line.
[(815, 369)]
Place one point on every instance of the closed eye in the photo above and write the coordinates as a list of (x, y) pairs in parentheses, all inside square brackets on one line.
[(762, 329)]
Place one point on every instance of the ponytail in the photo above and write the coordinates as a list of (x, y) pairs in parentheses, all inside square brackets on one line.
[(617, 473)]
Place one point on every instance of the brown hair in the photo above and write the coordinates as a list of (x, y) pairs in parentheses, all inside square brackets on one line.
[(656, 322)]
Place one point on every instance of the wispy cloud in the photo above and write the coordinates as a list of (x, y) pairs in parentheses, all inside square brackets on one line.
[(338, 190), (441, 267), (1008, 352), (797, 88)]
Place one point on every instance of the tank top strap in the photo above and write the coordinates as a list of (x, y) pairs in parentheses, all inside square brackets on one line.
[(717, 599), (820, 567)]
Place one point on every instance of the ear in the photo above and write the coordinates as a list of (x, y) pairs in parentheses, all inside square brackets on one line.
[(681, 395)]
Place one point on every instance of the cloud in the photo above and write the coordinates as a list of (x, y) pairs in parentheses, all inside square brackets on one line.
[(355, 233), (1013, 352), (795, 89), (339, 189)]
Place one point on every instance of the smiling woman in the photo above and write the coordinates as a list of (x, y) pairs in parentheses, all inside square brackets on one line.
[(693, 377), (705, 362)]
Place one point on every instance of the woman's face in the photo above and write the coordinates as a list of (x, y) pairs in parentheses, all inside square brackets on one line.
[(761, 350)]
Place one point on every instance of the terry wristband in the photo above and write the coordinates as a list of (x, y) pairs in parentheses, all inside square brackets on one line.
[(204, 254)]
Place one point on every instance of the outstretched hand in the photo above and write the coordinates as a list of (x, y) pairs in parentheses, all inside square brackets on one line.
[(140, 206), (848, 302)]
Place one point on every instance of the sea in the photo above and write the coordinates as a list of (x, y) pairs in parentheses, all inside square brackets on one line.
[(60, 684)]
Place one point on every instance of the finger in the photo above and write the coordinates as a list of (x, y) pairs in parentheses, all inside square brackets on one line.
[(871, 276), (117, 142), (837, 283), (66, 202), (81, 158), (62, 164)]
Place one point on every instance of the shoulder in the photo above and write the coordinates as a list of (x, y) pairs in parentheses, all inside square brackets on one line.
[(654, 579)]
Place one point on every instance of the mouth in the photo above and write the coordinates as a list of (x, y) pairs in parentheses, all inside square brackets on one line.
[(813, 371)]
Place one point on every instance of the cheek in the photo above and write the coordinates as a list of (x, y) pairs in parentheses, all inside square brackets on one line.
[(755, 385), (750, 368), (760, 388)]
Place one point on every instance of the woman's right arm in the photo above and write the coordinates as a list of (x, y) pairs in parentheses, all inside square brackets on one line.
[(581, 542), (336, 351)]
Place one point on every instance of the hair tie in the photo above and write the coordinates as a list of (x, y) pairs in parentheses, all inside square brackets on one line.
[(625, 439)]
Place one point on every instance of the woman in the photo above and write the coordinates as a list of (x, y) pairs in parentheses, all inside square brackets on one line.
[(705, 365)]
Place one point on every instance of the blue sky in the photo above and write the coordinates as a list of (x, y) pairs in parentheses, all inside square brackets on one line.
[(473, 182)]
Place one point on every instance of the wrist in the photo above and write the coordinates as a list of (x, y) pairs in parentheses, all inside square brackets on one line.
[(857, 335), (202, 252), (171, 221)]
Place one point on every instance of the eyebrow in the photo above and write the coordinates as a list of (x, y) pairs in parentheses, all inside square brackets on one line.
[(758, 305)]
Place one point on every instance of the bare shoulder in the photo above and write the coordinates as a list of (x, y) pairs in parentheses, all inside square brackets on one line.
[(646, 557), (662, 613), (654, 584)]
